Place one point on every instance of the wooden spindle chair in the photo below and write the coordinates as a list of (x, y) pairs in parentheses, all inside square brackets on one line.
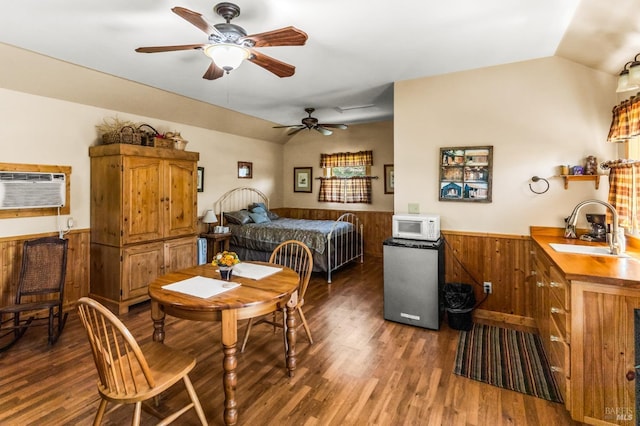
[(297, 256), (129, 373)]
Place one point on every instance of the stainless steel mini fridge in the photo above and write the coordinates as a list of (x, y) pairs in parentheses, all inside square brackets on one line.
[(413, 282)]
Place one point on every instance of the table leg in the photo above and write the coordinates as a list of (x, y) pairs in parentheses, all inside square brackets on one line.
[(157, 315), (229, 364), (291, 339)]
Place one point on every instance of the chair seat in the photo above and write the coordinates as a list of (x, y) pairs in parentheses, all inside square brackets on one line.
[(167, 366), (34, 306)]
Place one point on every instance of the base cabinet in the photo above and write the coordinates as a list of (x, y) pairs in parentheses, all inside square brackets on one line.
[(588, 335), (603, 355), (120, 275), (552, 315)]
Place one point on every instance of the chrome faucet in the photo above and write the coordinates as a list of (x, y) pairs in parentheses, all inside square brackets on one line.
[(612, 237)]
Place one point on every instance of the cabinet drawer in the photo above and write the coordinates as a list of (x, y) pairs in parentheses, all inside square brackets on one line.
[(560, 353), (559, 287), (560, 318)]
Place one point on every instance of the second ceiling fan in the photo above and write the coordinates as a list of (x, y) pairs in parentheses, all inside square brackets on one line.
[(312, 123), (228, 44)]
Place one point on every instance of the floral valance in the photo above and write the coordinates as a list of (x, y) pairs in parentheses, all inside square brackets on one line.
[(346, 159)]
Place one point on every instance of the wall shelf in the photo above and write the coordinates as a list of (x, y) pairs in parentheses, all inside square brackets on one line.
[(569, 178)]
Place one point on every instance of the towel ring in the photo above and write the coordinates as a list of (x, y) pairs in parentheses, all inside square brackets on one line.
[(536, 179)]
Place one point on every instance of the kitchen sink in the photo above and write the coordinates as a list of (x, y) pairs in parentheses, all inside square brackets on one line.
[(582, 249)]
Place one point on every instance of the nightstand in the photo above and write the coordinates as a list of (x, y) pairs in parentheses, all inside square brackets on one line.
[(216, 243)]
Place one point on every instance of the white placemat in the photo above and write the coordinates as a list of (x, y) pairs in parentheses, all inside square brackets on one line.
[(253, 271), (201, 286)]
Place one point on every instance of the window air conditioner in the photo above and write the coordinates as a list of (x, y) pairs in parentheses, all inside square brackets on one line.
[(32, 190)]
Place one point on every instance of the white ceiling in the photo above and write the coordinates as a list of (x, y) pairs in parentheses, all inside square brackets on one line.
[(355, 51)]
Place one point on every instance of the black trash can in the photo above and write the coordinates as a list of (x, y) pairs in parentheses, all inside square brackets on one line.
[(459, 301)]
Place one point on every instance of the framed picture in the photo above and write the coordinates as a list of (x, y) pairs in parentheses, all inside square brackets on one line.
[(245, 170), (388, 179), (302, 179), (466, 173), (200, 179)]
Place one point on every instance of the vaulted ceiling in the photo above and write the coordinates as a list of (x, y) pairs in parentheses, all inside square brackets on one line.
[(355, 50)]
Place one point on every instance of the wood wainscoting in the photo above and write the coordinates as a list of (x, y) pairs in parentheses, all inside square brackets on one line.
[(503, 260), (377, 225), (77, 278)]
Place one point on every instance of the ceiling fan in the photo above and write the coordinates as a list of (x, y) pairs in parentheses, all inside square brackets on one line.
[(312, 123), (228, 44)]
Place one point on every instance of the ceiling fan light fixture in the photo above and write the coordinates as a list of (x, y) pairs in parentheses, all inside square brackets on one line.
[(227, 56)]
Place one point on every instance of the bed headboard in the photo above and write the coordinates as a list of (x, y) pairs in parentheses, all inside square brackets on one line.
[(238, 199)]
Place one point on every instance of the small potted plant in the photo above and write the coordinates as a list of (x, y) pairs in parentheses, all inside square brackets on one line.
[(225, 261)]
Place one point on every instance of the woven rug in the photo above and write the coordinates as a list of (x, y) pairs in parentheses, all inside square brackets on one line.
[(506, 358)]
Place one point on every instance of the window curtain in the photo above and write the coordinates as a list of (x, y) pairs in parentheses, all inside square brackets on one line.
[(625, 121), (624, 192), (346, 190), (346, 159)]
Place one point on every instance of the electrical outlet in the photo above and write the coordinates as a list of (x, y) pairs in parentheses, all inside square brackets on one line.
[(414, 208), (488, 287)]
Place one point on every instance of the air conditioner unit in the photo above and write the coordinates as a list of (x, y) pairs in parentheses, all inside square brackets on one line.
[(32, 190)]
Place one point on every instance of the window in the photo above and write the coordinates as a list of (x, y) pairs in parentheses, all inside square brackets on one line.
[(346, 177)]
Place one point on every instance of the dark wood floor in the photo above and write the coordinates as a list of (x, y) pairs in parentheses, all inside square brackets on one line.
[(362, 370)]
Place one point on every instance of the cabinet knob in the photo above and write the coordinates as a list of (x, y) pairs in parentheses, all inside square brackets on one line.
[(555, 338), (556, 369), (631, 375), (556, 310), (554, 284), (539, 283)]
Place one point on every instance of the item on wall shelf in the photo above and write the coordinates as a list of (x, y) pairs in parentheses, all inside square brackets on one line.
[(577, 170), (538, 179), (466, 173), (245, 170), (200, 182), (591, 165), (389, 179), (302, 179), (564, 170)]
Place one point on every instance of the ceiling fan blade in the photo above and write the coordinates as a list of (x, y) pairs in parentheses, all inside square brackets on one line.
[(196, 19), (288, 36), (156, 49), (324, 131), (273, 65), (293, 132), (334, 126), (293, 126), (213, 72)]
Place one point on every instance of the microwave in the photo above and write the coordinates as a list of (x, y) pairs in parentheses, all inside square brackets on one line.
[(416, 226)]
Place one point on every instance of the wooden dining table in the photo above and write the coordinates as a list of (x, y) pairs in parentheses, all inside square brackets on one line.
[(250, 299)]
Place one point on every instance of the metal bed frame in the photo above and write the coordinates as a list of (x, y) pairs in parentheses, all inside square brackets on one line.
[(342, 248)]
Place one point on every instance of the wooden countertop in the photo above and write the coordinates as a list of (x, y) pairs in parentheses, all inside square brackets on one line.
[(619, 271)]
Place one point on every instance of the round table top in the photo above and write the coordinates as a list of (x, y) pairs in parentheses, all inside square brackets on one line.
[(250, 293)]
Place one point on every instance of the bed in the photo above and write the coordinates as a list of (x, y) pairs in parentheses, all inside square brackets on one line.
[(333, 243)]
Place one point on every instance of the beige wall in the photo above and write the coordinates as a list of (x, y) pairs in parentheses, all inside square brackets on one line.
[(536, 114), (41, 130), (304, 150)]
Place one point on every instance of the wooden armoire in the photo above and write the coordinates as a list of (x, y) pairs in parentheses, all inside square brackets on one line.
[(143, 219)]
